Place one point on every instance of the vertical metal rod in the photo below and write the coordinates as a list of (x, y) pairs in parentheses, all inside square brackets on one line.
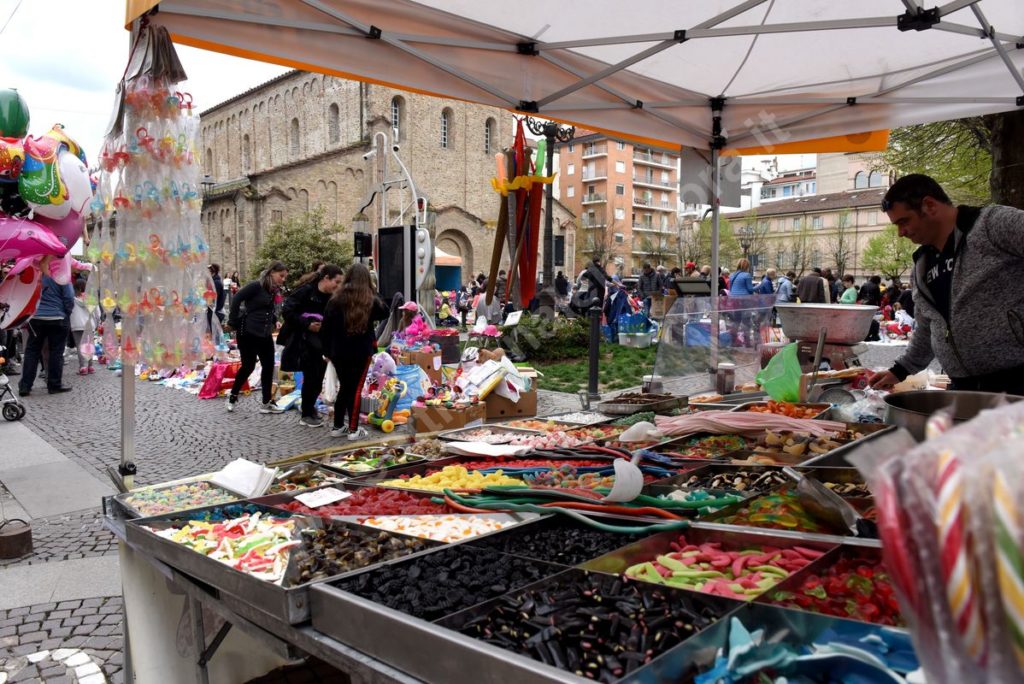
[(715, 226), (127, 412), (195, 608), (595, 352), (549, 233)]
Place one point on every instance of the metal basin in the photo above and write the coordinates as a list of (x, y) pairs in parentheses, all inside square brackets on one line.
[(911, 410), (846, 323)]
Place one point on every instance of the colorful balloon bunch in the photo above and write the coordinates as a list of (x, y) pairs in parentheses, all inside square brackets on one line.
[(153, 261), (951, 519), (44, 190)]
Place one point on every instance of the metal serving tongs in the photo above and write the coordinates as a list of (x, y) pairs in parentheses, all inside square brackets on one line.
[(301, 472)]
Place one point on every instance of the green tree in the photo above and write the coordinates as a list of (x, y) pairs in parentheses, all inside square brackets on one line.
[(888, 254), (729, 250), (301, 240), (957, 154)]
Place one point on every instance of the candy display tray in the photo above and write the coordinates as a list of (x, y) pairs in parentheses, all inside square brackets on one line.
[(667, 666), (332, 463), (824, 410), (838, 457), (374, 480), (659, 488), (627, 409), (321, 470), (286, 604), (123, 509), (597, 418), (818, 567), (616, 562), (712, 468)]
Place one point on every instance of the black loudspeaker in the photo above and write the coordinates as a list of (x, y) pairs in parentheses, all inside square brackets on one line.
[(394, 274), (363, 245), (559, 250)]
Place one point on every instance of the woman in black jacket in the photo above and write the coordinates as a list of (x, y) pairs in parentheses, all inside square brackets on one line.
[(349, 343), (255, 332), (303, 315)]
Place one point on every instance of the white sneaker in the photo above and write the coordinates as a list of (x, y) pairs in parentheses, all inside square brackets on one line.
[(340, 432), (231, 405), (271, 407), (361, 433)]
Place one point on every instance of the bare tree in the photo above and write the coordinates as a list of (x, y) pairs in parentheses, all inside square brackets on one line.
[(840, 245), (799, 249), (657, 248), (595, 240), (756, 232), (691, 248)]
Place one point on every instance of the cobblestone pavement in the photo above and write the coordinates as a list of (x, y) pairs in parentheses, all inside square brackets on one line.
[(63, 642)]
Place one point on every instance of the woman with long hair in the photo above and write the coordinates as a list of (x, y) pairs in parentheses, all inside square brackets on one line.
[(349, 342), (255, 327), (303, 315)]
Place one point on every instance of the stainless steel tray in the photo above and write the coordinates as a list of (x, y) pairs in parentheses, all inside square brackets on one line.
[(375, 479), (616, 562), (287, 604), (623, 409), (121, 504), (498, 429), (595, 418), (332, 463), (824, 413), (837, 457), (326, 472)]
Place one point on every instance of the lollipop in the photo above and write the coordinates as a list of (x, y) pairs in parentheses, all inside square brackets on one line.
[(1009, 562)]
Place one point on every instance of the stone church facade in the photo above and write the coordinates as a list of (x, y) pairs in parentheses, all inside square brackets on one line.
[(297, 143)]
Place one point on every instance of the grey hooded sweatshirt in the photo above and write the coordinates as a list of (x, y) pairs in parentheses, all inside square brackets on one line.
[(985, 331)]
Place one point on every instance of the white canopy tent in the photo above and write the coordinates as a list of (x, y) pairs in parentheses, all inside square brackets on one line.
[(706, 74)]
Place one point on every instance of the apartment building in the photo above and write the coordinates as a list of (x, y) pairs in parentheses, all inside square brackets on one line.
[(625, 196)]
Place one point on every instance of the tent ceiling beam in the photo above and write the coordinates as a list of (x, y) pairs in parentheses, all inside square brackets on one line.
[(651, 37), (678, 36), (246, 18), (627, 102), (782, 124), (954, 6), (872, 99), (376, 33), (1000, 48), (949, 68)]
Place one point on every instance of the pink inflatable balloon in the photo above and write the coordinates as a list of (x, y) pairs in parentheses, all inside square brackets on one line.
[(60, 269), (68, 229), (20, 292), (23, 238)]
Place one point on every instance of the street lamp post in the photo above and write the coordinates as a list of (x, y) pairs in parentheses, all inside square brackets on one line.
[(552, 131)]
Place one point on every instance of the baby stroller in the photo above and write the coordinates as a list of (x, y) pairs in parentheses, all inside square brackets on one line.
[(12, 408)]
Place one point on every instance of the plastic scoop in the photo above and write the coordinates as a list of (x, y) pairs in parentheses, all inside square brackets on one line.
[(629, 481)]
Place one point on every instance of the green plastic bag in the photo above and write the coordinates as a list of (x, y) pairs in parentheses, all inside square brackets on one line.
[(782, 376)]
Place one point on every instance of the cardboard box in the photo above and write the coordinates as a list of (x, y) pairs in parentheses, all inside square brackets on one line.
[(430, 362), (500, 407), (437, 418)]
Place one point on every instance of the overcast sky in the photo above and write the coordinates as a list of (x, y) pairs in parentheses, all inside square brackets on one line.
[(65, 57)]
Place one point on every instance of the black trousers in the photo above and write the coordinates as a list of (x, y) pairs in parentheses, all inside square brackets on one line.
[(351, 376), (251, 348), (313, 369), (40, 332)]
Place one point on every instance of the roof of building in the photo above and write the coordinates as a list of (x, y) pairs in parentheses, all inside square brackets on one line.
[(244, 93), (792, 178), (817, 203)]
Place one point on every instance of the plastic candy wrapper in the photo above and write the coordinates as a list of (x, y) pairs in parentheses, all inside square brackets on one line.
[(782, 376), (869, 408), (949, 515)]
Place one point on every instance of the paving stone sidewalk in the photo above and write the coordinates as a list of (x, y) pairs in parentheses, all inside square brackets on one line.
[(67, 641)]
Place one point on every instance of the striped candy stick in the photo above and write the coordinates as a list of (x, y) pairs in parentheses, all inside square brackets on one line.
[(1009, 561), (955, 549)]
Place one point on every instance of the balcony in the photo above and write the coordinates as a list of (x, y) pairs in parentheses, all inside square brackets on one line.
[(596, 223), (650, 203), (654, 182), (592, 151), (594, 198), (598, 174), (660, 160)]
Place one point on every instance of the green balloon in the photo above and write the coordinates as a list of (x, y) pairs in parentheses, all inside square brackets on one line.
[(14, 115)]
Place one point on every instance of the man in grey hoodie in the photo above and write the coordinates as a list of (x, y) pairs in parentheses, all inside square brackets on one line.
[(969, 310)]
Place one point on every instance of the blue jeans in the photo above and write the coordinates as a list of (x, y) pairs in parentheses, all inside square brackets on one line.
[(55, 333)]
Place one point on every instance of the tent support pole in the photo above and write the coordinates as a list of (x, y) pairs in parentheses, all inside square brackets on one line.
[(715, 257)]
